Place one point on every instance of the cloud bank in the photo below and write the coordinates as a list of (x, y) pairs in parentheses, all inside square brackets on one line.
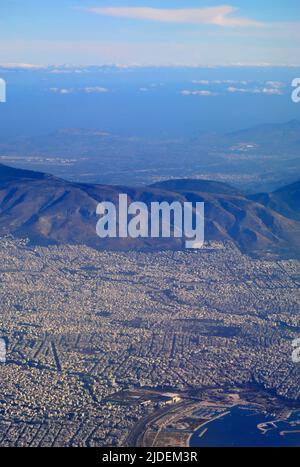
[(218, 16)]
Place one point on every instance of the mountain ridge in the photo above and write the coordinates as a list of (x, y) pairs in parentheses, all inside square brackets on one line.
[(49, 210), (285, 200)]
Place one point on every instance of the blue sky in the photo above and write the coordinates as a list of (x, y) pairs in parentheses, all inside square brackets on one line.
[(150, 32)]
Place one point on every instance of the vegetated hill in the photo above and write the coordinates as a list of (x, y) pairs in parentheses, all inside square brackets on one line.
[(285, 201), (50, 210)]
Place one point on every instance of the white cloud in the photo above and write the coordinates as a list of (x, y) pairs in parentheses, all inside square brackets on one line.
[(86, 90), (201, 81), (22, 66), (275, 88), (95, 90), (272, 91), (275, 84), (219, 16), (205, 93), (62, 90), (59, 71), (218, 81), (265, 90)]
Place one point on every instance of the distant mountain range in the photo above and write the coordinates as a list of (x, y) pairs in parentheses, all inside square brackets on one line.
[(280, 141), (49, 210), (273, 134)]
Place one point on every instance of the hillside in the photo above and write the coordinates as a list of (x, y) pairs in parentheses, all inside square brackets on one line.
[(285, 201), (50, 210)]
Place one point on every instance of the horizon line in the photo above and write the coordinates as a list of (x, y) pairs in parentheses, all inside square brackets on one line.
[(66, 66)]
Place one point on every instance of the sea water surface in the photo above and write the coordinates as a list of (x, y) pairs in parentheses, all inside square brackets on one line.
[(240, 428)]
